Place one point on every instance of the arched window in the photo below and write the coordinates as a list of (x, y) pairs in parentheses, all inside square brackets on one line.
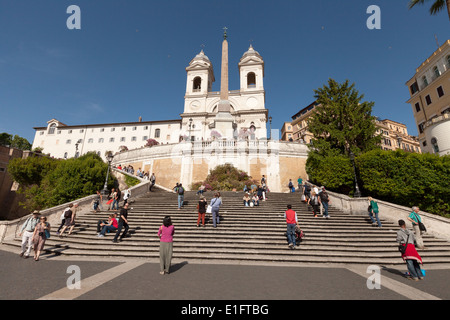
[(52, 128), (65, 155), (251, 80), (448, 62), (197, 84), (157, 133)]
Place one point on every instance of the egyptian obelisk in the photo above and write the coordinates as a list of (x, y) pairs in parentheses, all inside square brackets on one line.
[(224, 119)]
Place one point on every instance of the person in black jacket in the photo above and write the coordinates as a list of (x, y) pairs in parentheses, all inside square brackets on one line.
[(123, 222)]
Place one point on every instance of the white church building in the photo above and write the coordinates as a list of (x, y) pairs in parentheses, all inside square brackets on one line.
[(247, 106)]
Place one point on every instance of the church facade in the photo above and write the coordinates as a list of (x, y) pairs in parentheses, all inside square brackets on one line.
[(196, 124), (215, 128), (247, 104)]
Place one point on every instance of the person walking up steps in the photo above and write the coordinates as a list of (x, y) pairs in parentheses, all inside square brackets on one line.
[(216, 202), (180, 192), (415, 219), (373, 210), (165, 234), (314, 202), (291, 221), (201, 210)]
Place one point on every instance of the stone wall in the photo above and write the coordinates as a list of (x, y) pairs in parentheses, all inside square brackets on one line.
[(436, 225), (191, 162)]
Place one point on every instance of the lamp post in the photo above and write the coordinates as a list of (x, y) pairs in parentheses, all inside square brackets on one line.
[(357, 193), (109, 158), (270, 128)]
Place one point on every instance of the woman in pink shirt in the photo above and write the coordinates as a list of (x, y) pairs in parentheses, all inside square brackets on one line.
[(165, 235)]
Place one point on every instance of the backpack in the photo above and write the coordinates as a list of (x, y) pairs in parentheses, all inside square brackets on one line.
[(180, 190), (323, 196), (307, 188), (68, 214)]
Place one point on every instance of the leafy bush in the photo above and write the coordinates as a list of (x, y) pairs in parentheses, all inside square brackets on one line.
[(407, 179), (48, 182), (336, 172), (225, 178)]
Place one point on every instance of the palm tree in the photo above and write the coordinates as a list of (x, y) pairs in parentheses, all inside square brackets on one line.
[(437, 6)]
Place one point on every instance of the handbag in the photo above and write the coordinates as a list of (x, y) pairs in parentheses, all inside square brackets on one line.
[(421, 225), (402, 248), (209, 208), (47, 233)]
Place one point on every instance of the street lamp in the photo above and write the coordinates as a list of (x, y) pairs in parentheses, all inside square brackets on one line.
[(109, 158), (270, 128), (357, 193)]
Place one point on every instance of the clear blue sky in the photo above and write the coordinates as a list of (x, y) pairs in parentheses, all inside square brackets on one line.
[(129, 58)]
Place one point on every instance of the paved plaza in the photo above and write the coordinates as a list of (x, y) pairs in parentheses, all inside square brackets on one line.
[(192, 283)]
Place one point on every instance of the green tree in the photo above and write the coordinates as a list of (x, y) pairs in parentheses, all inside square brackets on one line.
[(17, 142), (436, 7), (341, 122), (20, 143), (5, 139)]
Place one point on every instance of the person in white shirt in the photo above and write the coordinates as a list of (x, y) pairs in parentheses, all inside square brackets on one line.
[(26, 232)]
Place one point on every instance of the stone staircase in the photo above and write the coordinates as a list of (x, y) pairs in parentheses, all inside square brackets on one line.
[(255, 235)]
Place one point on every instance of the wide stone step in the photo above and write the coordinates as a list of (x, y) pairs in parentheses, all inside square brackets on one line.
[(244, 235)]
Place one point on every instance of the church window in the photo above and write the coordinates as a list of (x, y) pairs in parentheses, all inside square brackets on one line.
[(197, 84), (52, 128), (251, 80)]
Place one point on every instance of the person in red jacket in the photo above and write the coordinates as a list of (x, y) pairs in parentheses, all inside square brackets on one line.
[(292, 221)]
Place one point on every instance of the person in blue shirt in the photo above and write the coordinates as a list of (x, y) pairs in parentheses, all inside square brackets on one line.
[(415, 218)]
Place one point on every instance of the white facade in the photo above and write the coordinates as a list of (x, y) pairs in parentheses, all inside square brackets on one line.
[(247, 103), (63, 141), (198, 120), (437, 133)]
